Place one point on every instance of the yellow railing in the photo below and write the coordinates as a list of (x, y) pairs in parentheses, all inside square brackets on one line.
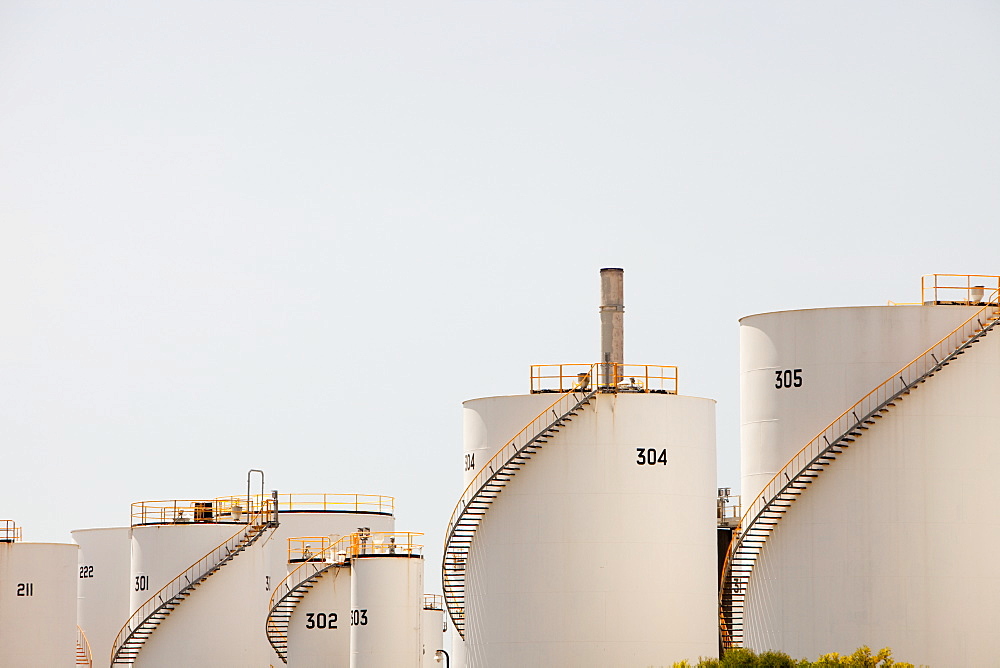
[(959, 289), (236, 509), (9, 532), (728, 510), (84, 657), (610, 377), (308, 548), (433, 602), (851, 419)]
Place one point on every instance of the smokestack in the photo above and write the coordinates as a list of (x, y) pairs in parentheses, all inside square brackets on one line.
[(612, 323)]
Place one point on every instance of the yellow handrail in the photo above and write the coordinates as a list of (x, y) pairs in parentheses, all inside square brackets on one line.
[(612, 377), (233, 509), (192, 574), (9, 532), (939, 289), (900, 381), (83, 645)]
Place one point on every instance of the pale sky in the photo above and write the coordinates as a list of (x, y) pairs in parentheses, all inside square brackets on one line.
[(296, 236)]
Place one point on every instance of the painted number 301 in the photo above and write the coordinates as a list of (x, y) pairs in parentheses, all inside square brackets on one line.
[(650, 456)]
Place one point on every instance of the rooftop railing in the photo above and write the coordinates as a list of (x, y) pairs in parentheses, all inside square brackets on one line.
[(237, 509), (610, 377)]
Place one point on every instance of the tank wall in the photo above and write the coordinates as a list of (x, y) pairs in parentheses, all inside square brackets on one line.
[(162, 552), (103, 585), (824, 361), (319, 629), (386, 602), (221, 624), (589, 558), (38, 604), (894, 543), (489, 423)]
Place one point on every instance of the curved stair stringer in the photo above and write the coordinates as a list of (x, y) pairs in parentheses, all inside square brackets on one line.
[(767, 509), (280, 612), (486, 487), (149, 615)]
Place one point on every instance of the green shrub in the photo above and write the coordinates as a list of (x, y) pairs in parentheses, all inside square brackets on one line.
[(745, 658)]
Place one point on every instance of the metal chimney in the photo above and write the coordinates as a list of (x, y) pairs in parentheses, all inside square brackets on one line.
[(612, 324)]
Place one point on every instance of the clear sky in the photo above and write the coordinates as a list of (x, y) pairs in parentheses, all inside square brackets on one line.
[(296, 236)]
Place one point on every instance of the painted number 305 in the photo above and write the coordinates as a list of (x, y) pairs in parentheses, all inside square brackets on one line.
[(650, 456), (784, 378)]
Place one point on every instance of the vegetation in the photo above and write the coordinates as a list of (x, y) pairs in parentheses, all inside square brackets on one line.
[(745, 658)]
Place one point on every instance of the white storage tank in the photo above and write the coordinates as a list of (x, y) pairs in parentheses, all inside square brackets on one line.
[(432, 630), (386, 602), (892, 542), (595, 546), (104, 585), (37, 601)]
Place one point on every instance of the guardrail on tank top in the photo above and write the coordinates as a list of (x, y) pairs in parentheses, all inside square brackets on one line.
[(623, 377), (234, 509), (267, 515), (853, 418), (9, 532)]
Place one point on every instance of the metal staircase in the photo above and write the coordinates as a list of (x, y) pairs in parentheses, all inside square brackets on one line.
[(763, 514), (293, 589), (150, 614), (487, 485), (83, 654)]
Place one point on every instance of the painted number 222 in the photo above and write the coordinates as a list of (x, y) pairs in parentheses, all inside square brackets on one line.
[(787, 378)]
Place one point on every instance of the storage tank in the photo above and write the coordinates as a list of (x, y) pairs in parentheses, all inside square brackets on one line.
[(386, 602), (586, 535), (432, 630), (37, 601), (886, 539), (104, 585)]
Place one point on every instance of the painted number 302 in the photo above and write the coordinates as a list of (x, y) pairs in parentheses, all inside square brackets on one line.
[(650, 456)]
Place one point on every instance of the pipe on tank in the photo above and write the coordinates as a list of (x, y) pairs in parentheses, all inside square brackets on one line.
[(612, 324)]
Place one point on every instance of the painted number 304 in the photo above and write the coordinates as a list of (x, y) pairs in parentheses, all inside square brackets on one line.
[(650, 456)]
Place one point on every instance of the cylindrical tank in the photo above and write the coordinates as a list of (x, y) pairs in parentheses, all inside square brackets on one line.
[(893, 543), (319, 629), (103, 585), (799, 370), (431, 630), (386, 594), (600, 551), (38, 604)]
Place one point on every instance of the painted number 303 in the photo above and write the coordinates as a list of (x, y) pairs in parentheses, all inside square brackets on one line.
[(650, 456)]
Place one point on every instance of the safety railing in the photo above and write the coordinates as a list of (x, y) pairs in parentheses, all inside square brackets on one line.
[(728, 510), (9, 531), (343, 503), (236, 509), (190, 577), (958, 289), (84, 657), (308, 548), (925, 364), (611, 377), (433, 602)]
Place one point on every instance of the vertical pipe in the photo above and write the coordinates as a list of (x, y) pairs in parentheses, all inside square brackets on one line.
[(612, 324)]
